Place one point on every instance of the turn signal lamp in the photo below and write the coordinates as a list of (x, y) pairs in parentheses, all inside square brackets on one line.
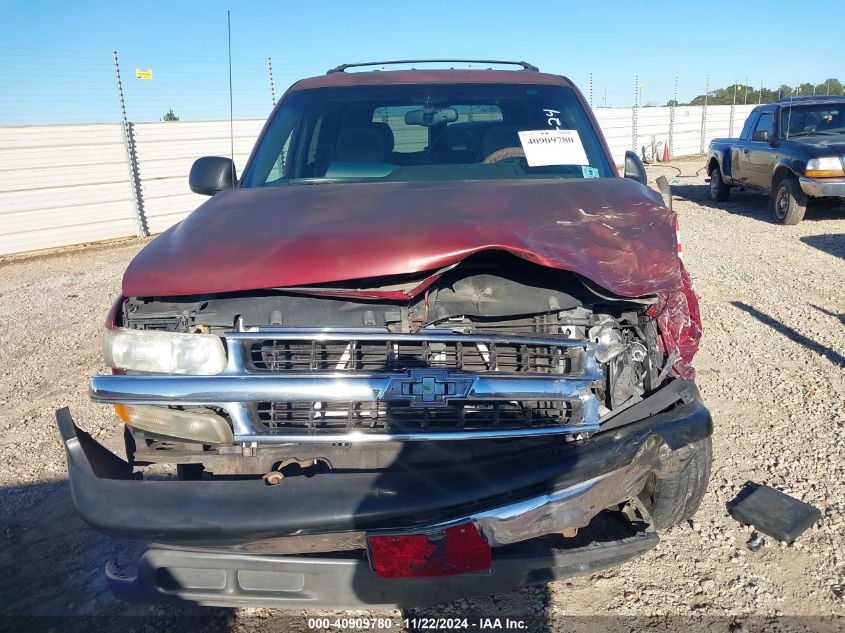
[(826, 167)]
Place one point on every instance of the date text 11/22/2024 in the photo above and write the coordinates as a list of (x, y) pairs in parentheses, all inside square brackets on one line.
[(420, 623)]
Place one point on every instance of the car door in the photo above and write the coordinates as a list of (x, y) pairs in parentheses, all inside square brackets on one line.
[(739, 147), (758, 154)]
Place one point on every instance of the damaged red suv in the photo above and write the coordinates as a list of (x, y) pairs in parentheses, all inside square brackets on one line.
[(430, 345)]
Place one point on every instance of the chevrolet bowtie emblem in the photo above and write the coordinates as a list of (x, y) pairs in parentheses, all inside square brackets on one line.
[(428, 387)]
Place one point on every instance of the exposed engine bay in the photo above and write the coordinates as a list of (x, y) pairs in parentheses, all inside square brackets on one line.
[(491, 294)]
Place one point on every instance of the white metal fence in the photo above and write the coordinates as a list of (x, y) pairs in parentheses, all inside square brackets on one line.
[(70, 184)]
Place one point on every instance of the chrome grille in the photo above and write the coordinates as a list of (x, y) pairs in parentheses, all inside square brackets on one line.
[(338, 385), (482, 355), (468, 415)]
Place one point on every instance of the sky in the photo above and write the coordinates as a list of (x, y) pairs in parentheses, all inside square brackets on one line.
[(56, 62)]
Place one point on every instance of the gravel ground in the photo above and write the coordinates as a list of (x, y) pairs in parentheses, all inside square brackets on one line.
[(771, 370)]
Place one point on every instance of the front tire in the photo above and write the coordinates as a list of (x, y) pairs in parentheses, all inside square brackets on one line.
[(719, 191), (673, 500), (789, 203)]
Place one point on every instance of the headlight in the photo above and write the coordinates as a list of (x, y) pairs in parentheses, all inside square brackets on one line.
[(826, 167), (164, 352), (199, 425)]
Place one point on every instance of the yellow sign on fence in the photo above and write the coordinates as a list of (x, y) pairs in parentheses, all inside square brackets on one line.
[(143, 74)]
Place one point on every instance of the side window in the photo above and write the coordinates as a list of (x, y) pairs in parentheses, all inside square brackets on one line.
[(765, 128), (749, 125), (279, 167), (315, 138)]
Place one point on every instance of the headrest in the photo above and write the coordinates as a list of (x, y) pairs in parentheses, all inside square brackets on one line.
[(386, 135), (360, 145)]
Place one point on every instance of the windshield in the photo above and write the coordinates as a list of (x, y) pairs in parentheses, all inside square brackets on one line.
[(828, 118), (427, 132)]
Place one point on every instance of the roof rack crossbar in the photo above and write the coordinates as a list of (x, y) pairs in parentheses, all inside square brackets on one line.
[(804, 98), (525, 65)]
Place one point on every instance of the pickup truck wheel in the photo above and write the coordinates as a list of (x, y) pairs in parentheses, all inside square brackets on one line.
[(673, 500), (789, 203), (719, 191)]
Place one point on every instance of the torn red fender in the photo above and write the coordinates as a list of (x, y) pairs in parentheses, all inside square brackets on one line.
[(679, 321)]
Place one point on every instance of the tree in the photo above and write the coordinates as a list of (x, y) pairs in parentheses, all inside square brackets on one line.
[(724, 96), (170, 116)]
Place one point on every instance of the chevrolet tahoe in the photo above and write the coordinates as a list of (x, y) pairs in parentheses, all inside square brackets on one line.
[(429, 345)]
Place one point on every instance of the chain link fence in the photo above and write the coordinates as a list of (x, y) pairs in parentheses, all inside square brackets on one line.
[(139, 120)]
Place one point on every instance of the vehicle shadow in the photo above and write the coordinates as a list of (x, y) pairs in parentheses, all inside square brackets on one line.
[(746, 203), (752, 204), (419, 604), (830, 243), (51, 572), (457, 472), (831, 354)]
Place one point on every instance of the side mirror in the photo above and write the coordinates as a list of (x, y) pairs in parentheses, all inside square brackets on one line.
[(634, 168), (211, 174), (760, 135), (665, 189)]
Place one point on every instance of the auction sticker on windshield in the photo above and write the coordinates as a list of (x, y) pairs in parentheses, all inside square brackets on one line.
[(553, 147)]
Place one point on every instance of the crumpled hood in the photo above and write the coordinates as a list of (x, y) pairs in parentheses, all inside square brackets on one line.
[(614, 232)]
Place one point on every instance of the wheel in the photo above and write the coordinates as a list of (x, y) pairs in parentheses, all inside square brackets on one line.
[(673, 500), (788, 202), (719, 191)]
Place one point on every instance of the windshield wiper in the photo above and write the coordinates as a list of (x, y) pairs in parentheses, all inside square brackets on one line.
[(315, 181), (797, 134)]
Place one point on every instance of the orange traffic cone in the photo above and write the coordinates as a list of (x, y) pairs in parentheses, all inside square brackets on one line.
[(666, 153)]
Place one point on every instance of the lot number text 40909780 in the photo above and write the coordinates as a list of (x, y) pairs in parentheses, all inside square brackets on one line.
[(420, 623)]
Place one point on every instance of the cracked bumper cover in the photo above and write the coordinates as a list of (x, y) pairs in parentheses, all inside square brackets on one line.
[(227, 579), (257, 530)]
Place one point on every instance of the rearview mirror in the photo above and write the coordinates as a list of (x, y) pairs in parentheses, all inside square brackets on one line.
[(634, 168), (760, 135), (211, 174), (431, 116), (665, 189)]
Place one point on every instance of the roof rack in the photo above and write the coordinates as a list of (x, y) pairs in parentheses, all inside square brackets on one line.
[(810, 98), (525, 65)]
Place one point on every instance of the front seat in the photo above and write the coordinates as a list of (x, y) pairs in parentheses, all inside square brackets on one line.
[(360, 145), (386, 135), (498, 137)]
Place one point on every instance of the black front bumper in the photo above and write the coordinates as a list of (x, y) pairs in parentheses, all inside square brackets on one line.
[(228, 514)]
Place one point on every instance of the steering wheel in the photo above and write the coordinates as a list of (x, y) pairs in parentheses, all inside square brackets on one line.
[(504, 153)]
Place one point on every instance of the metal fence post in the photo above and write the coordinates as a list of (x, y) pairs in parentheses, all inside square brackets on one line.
[(704, 116), (272, 89), (634, 136), (733, 107), (591, 90), (672, 120), (131, 157)]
